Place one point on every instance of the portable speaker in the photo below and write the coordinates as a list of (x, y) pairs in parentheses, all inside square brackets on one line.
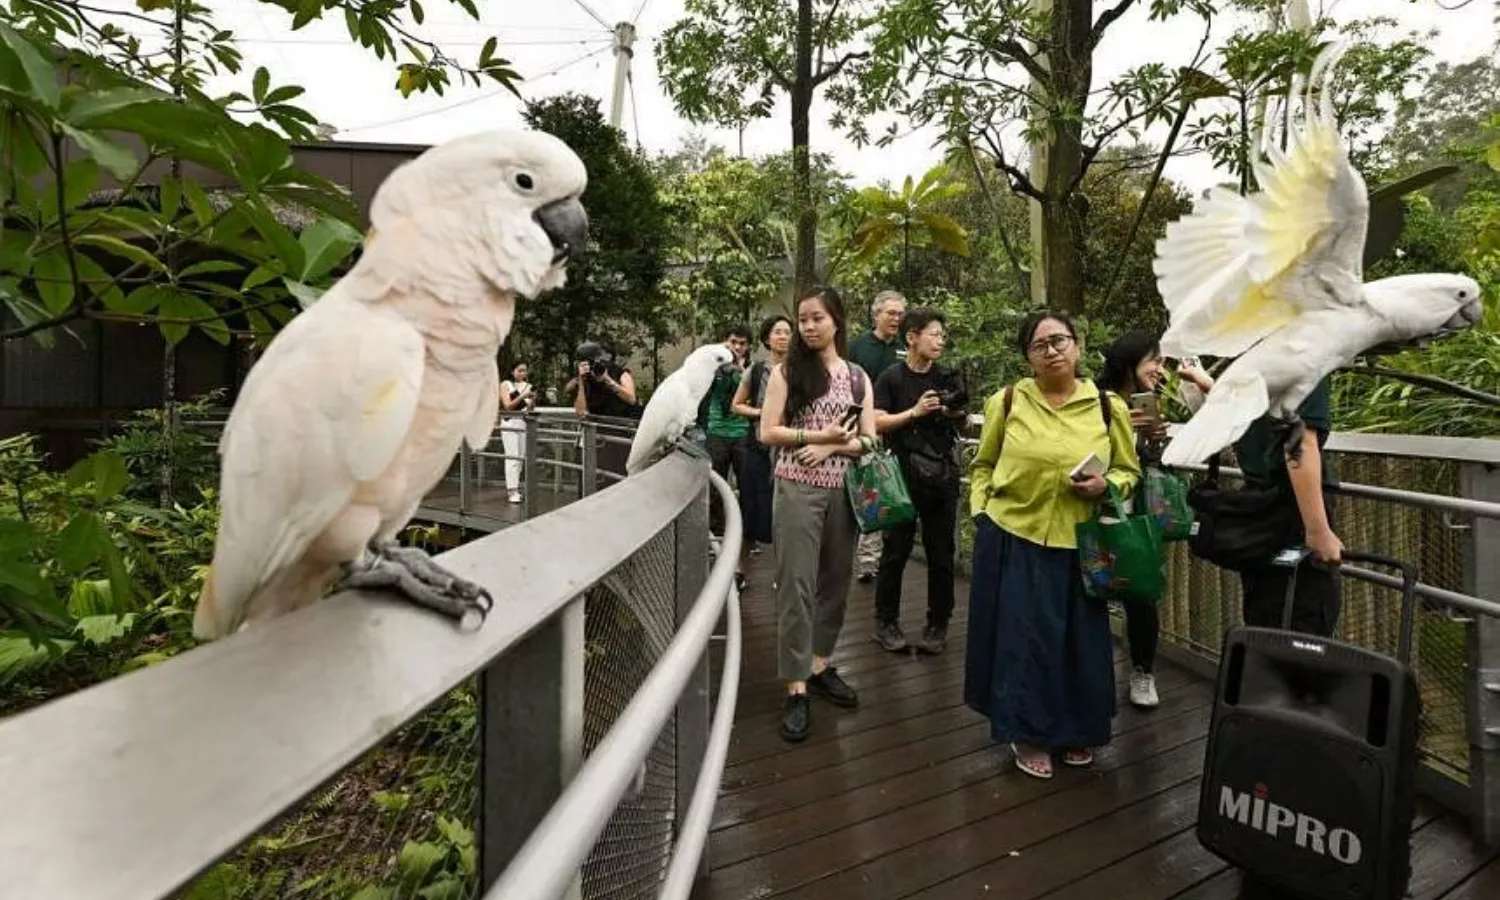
[(1309, 779)]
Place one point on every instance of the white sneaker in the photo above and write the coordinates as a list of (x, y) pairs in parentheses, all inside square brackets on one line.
[(515, 496), (1143, 689)]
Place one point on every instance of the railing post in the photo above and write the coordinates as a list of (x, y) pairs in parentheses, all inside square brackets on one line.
[(531, 736), (529, 480), (589, 439), (1482, 579), (694, 717), (463, 477)]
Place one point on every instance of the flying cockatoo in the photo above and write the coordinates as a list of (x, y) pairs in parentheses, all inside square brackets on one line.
[(357, 407), (1277, 279), (673, 408)]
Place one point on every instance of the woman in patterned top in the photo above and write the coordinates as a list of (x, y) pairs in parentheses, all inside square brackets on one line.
[(819, 410)]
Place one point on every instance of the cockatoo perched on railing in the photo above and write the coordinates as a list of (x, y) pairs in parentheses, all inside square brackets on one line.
[(673, 407), (1276, 278), (357, 407)]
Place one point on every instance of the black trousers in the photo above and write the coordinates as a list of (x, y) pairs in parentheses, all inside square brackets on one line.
[(1315, 608), (937, 512), (1142, 629), (726, 455)]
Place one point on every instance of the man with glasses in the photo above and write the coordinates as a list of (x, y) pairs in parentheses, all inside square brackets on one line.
[(875, 351)]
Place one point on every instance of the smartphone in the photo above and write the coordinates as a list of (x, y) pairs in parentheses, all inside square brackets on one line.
[(852, 414), (1146, 403), (1091, 465)]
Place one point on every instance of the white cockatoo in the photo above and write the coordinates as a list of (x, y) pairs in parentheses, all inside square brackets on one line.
[(673, 407), (357, 407), (1276, 278)]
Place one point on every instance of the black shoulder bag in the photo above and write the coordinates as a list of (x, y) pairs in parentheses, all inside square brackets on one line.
[(1242, 528)]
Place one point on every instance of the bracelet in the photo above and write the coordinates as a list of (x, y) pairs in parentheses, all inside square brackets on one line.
[(801, 440)]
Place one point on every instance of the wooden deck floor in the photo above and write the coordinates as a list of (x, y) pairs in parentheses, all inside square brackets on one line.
[(907, 797)]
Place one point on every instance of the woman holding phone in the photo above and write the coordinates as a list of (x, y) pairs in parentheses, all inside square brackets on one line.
[(819, 411), (1040, 661), (1134, 369)]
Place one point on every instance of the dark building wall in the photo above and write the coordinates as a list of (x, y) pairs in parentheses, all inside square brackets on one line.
[(71, 393)]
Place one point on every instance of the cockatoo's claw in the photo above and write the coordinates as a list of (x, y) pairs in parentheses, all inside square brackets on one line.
[(413, 574), (691, 448)]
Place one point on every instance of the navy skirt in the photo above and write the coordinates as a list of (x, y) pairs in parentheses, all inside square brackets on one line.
[(756, 492), (1040, 658)]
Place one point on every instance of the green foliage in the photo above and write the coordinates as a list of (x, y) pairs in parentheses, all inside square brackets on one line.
[(910, 218), (145, 445)]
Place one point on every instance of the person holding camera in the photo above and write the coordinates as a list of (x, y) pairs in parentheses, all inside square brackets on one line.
[(516, 395), (603, 387), (918, 404)]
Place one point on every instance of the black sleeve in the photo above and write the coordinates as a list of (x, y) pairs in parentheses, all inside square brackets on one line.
[(886, 389)]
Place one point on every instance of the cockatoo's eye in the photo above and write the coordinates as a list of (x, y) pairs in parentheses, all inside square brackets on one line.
[(524, 181), (1463, 295)]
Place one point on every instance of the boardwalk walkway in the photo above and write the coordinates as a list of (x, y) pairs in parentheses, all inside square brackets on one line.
[(907, 797)]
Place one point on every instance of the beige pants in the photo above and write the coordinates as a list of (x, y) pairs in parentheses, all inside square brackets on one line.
[(869, 553), (814, 542)]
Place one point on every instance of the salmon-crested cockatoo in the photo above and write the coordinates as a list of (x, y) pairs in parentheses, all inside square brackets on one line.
[(673, 408), (357, 407), (1276, 278)]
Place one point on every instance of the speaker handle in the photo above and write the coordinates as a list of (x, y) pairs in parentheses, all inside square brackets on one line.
[(1408, 594), (1293, 557)]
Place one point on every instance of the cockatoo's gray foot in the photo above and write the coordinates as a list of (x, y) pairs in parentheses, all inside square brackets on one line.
[(691, 447), (1292, 443), (413, 574)]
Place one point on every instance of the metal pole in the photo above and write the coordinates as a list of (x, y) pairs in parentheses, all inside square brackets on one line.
[(531, 736), (463, 478), (1482, 579), (590, 452), (624, 41), (529, 479), (694, 718)]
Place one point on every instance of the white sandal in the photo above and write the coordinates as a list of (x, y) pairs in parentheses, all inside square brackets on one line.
[(1030, 768)]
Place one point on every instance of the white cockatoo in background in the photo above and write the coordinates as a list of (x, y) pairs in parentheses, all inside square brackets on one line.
[(357, 407), (1276, 278), (673, 407)]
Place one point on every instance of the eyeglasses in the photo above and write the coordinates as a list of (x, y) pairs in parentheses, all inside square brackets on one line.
[(1058, 342)]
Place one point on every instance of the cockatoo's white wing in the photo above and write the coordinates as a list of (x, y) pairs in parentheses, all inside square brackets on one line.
[(327, 407), (1237, 400), (1238, 268), (669, 413)]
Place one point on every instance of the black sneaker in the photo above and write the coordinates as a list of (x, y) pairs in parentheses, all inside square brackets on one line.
[(831, 686), (796, 719), (934, 640), (890, 636)]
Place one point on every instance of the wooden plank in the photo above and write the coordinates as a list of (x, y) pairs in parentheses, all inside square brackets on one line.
[(922, 844), (866, 673), (796, 824), (1161, 870), (1442, 856), (1482, 885)]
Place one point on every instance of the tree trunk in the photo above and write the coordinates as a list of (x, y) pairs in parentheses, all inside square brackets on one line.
[(1070, 65), (168, 475), (805, 265)]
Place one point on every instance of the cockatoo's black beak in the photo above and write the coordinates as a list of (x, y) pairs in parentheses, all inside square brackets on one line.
[(1467, 317), (567, 226)]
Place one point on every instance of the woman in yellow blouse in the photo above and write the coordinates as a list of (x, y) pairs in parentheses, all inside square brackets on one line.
[(1040, 660)]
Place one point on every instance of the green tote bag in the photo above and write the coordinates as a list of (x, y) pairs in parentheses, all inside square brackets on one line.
[(878, 493), (1164, 498), (1121, 554)]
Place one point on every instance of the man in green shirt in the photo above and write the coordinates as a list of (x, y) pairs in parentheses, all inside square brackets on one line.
[(875, 351), (1262, 457), (728, 434)]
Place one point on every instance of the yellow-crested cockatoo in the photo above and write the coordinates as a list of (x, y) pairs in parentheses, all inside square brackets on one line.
[(1276, 278), (357, 407), (673, 407)]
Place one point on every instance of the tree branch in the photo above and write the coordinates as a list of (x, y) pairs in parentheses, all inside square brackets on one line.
[(1023, 58), (775, 74), (1022, 281), (1106, 19), (127, 318), (1020, 182), (838, 66), (71, 315)]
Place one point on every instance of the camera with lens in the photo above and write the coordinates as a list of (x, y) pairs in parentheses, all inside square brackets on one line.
[(597, 356)]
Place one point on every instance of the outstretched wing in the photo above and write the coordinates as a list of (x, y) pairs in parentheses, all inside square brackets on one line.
[(1237, 400), (327, 407), (1238, 268)]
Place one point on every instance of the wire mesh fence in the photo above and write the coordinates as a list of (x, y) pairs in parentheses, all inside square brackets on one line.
[(401, 822)]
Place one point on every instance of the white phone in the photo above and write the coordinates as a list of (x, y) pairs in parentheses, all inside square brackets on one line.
[(1091, 465)]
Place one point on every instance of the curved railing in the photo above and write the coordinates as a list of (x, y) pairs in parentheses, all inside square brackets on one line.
[(133, 787)]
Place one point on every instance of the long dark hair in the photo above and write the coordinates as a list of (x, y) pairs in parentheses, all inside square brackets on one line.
[(1121, 359), (806, 376)]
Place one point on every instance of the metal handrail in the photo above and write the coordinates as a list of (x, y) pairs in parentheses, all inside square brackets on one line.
[(230, 736), (558, 846)]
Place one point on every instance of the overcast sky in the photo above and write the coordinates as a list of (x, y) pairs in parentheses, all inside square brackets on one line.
[(559, 46)]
